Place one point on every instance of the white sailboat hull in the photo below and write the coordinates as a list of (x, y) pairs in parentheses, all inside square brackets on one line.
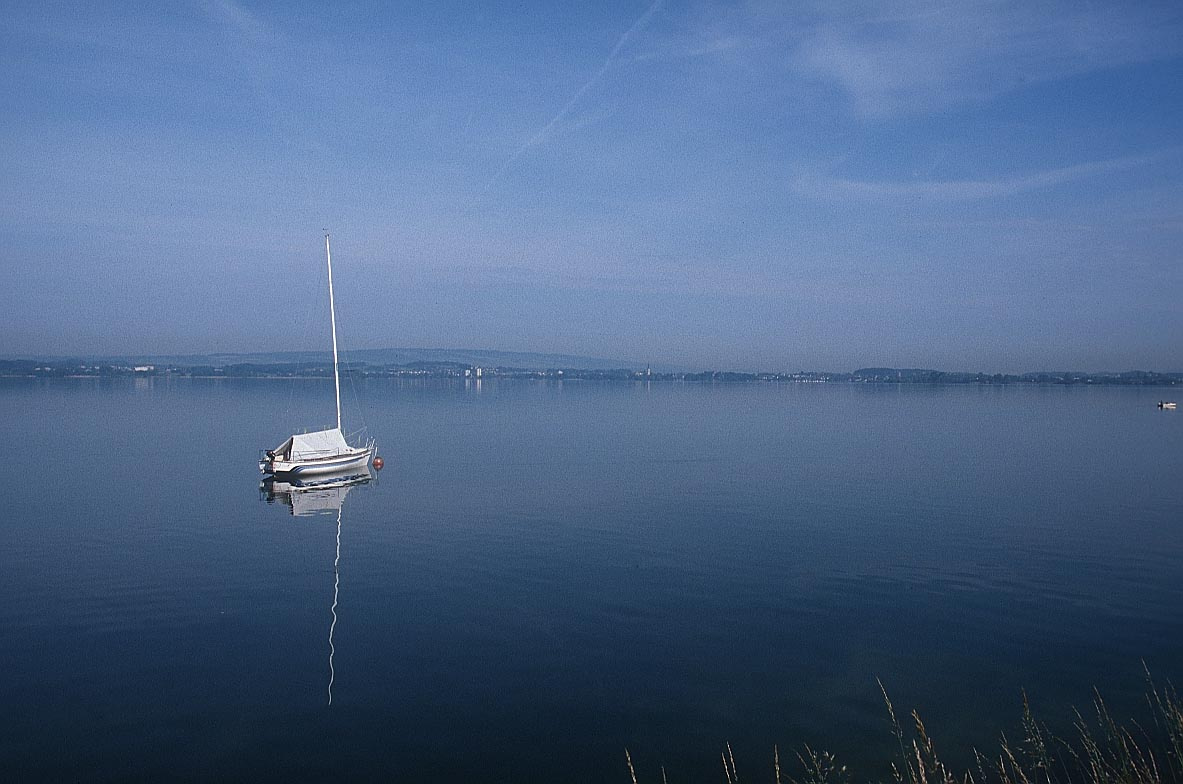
[(329, 464)]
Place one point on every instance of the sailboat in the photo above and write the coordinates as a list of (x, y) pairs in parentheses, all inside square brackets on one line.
[(322, 451)]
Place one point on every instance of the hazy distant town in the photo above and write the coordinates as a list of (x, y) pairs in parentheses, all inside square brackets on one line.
[(443, 369)]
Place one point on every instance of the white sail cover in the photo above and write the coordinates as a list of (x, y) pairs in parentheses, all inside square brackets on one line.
[(309, 446)]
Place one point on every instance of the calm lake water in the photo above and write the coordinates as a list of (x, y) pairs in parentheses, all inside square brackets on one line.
[(545, 574)]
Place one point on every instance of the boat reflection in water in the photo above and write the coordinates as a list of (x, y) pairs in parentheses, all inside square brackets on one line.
[(321, 495)]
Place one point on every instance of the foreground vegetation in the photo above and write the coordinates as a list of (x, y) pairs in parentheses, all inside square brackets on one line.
[(1101, 750)]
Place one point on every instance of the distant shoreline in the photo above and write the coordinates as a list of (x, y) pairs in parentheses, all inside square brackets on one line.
[(23, 368)]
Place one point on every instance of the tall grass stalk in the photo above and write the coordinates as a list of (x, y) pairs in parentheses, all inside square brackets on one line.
[(1101, 750)]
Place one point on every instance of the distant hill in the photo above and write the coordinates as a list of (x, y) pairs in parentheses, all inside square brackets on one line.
[(453, 363), (384, 356)]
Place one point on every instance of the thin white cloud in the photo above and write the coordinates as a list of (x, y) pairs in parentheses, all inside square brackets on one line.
[(243, 21), (940, 54), (923, 55), (966, 190), (542, 135)]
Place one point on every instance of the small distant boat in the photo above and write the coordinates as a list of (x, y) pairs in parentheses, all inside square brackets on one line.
[(1167, 405), (322, 451)]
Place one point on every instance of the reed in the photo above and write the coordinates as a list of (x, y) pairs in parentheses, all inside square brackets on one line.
[(1099, 750)]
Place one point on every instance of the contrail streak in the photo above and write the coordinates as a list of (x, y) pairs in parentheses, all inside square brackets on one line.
[(540, 137)]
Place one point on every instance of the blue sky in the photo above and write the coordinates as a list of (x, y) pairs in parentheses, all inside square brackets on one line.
[(987, 186)]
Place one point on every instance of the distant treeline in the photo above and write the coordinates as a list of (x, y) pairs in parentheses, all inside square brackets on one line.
[(74, 368)]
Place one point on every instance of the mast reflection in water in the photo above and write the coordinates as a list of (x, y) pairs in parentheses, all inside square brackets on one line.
[(324, 495)]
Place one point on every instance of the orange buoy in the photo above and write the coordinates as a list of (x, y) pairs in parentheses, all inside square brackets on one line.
[(378, 463)]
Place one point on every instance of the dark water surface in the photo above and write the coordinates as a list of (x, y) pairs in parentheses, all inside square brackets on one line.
[(544, 574)]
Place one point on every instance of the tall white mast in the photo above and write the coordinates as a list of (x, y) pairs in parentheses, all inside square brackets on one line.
[(333, 321)]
